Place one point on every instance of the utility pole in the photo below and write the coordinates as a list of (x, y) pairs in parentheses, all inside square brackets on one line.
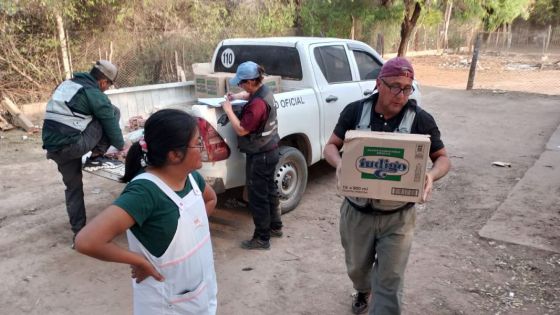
[(472, 71)]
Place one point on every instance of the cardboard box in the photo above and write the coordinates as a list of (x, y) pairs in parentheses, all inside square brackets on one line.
[(202, 68), (201, 71), (272, 81), (216, 84), (211, 84), (200, 85), (384, 165)]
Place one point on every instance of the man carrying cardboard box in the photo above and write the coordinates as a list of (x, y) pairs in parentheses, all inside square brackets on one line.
[(377, 234)]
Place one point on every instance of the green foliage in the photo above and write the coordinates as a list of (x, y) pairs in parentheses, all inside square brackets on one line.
[(465, 11), (500, 12), (545, 12), (326, 18), (144, 36), (431, 16), (334, 17), (275, 17)]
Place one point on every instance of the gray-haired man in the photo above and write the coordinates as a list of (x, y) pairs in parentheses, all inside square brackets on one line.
[(80, 118)]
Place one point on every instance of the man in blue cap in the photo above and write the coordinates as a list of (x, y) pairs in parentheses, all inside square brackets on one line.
[(257, 131), (377, 234)]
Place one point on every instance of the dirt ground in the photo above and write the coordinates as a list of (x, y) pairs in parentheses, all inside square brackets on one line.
[(452, 270)]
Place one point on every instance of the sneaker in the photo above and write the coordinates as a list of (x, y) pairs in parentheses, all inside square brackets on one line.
[(99, 162), (276, 232), (360, 302), (255, 243)]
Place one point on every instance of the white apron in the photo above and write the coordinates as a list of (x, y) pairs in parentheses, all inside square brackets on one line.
[(187, 264)]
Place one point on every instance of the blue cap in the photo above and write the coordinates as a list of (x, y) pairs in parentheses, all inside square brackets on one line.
[(245, 71)]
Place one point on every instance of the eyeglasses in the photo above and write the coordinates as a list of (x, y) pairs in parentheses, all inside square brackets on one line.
[(199, 145), (396, 90), (242, 82)]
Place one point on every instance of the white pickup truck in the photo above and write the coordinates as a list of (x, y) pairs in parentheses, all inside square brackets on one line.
[(320, 76)]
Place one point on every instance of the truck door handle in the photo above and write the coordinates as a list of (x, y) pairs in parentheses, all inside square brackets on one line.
[(331, 98), (368, 92)]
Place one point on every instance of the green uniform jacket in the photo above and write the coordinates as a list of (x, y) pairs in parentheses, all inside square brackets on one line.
[(88, 101)]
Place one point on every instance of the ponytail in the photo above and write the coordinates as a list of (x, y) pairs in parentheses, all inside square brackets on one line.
[(133, 163), (260, 78), (166, 130)]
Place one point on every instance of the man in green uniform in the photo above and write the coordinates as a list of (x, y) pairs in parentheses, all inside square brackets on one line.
[(79, 119)]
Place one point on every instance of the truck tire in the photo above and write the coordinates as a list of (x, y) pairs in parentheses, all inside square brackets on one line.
[(290, 177)]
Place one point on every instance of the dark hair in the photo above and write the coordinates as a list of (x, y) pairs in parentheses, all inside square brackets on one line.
[(166, 130), (261, 74), (98, 75)]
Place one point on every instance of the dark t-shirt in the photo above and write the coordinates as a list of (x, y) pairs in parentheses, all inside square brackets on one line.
[(254, 115), (155, 214), (423, 123)]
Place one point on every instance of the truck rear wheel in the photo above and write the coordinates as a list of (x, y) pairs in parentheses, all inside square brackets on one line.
[(290, 177)]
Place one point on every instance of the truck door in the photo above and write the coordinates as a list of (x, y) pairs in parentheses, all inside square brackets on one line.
[(337, 85), (369, 67), (369, 63)]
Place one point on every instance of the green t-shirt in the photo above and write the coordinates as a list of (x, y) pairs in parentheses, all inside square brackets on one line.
[(155, 214)]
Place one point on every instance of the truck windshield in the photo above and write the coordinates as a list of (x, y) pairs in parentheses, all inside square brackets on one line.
[(276, 60)]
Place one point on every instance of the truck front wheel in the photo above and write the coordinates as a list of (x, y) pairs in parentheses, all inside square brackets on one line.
[(290, 177)]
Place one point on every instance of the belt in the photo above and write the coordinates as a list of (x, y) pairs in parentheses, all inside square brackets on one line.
[(371, 210)]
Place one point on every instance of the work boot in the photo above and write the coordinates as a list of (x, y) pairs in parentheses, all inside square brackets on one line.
[(255, 243), (276, 232), (360, 302)]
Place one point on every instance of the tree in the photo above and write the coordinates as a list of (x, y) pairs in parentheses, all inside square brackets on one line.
[(545, 12), (448, 10), (502, 12), (412, 11)]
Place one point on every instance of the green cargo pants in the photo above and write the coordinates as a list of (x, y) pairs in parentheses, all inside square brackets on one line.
[(382, 242)]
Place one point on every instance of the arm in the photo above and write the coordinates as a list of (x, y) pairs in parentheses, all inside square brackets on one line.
[(332, 155), (96, 240), (332, 151), (107, 114), (440, 167), (243, 95), (235, 122), (210, 199)]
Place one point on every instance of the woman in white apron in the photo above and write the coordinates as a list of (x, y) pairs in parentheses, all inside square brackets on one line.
[(163, 210)]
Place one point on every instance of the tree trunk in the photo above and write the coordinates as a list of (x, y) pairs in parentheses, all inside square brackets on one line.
[(448, 8), (412, 39), (380, 44), (63, 46), (298, 25), (352, 31), (412, 13), (548, 36), (509, 36)]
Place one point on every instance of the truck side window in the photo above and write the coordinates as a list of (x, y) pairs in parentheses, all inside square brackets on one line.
[(333, 63), (276, 60), (368, 66)]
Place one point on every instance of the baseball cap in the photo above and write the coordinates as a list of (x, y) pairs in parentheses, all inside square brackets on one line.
[(107, 68), (397, 67), (245, 71)]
